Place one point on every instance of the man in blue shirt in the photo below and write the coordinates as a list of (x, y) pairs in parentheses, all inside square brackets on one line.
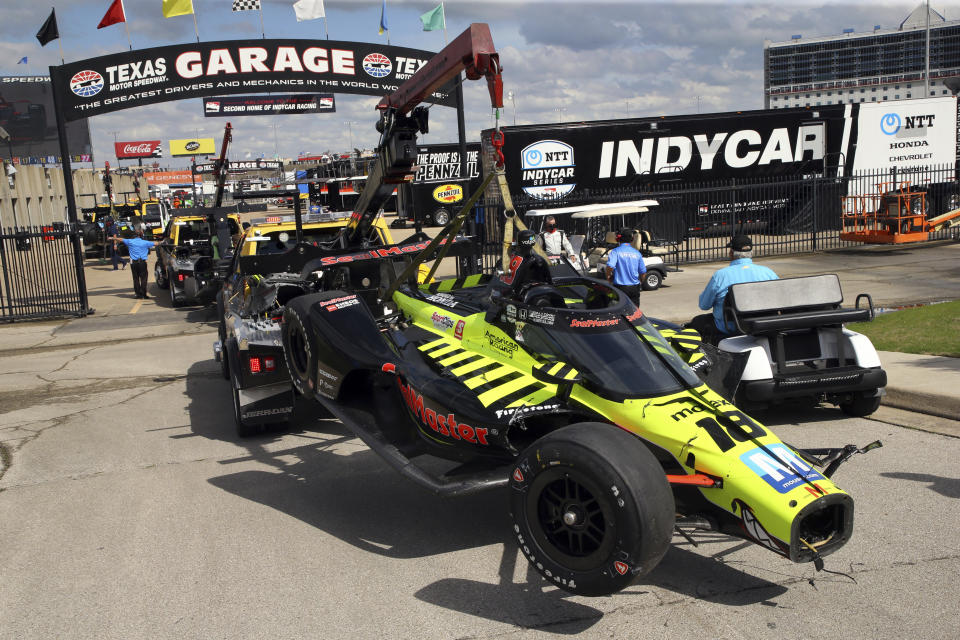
[(139, 249), (625, 266), (111, 231), (741, 269)]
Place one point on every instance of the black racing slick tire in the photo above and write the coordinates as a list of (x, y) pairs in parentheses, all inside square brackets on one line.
[(651, 280), (299, 345), (160, 275), (592, 509), (863, 403)]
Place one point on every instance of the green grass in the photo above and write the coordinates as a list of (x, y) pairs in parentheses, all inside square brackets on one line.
[(932, 329)]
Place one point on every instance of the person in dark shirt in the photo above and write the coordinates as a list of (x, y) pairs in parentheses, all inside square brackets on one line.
[(139, 250), (111, 231)]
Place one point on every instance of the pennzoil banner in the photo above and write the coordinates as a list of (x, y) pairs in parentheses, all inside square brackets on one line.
[(160, 74)]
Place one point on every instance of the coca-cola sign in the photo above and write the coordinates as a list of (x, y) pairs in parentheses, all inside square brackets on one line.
[(138, 149)]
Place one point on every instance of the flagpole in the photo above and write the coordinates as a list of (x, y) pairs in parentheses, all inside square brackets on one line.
[(59, 46), (443, 12), (326, 29), (195, 29), (126, 27), (262, 32)]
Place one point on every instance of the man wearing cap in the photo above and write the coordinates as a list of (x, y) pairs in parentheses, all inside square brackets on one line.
[(625, 266), (554, 241), (139, 250), (741, 269)]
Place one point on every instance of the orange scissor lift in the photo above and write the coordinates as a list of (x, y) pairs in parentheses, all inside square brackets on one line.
[(892, 215)]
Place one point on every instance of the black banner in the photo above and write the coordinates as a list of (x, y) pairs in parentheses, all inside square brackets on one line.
[(26, 113), (148, 76), (551, 161), (239, 165), (230, 106)]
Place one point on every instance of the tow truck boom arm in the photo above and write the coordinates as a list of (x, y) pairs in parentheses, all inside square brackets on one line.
[(471, 52), (221, 167)]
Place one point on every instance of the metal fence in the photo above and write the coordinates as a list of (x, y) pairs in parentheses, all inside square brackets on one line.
[(783, 215), (40, 273)]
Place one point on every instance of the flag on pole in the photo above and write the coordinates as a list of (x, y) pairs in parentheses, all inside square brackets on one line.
[(23, 60), (173, 8), (114, 15), (49, 32), (383, 18), (246, 5), (433, 20), (308, 10)]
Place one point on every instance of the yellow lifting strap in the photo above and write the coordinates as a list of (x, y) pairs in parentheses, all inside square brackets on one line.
[(449, 232), (513, 221)]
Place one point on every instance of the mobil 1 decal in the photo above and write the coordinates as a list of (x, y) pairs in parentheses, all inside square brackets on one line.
[(559, 159), (160, 74)]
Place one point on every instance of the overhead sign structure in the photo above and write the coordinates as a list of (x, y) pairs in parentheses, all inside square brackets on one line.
[(138, 149), (170, 177), (27, 114), (160, 74), (229, 106), (193, 147), (239, 165)]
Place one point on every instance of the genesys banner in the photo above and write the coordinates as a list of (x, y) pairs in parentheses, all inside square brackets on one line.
[(192, 147), (170, 177), (230, 106), (147, 76), (138, 149)]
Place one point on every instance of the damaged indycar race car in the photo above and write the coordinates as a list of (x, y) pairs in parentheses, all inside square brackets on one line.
[(570, 395)]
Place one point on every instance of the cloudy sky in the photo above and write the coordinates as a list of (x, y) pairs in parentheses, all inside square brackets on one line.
[(563, 59)]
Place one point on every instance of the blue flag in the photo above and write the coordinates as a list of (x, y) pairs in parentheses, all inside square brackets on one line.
[(23, 60), (383, 18)]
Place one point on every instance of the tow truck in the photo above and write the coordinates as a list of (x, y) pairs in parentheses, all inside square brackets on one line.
[(190, 254)]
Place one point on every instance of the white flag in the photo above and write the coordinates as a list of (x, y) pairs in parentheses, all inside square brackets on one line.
[(308, 10)]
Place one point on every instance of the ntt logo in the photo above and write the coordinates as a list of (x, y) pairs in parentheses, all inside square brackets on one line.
[(890, 123)]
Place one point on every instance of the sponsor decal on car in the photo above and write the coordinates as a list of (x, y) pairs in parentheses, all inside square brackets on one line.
[(444, 425), (441, 322), (537, 317), (445, 299), (522, 411), (780, 467), (336, 304), (506, 346), (458, 331), (594, 323)]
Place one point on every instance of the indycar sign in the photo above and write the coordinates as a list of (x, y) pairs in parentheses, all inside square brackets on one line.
[(139, 149), (268, 105), (160, 74)]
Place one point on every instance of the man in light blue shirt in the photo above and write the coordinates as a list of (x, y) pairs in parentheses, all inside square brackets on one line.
[(139, 250), (625, 266), (741, 269)]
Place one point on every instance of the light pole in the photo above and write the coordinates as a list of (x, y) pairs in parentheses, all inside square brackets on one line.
[(350, 124), (513, 100), (276, 146), (560, 110)]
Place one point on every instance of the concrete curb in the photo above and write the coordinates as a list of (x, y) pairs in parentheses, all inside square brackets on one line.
[(930, 404)]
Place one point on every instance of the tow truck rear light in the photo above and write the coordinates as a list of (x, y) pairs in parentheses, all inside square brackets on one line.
[(180, 277), (262, 365), (274, 219)]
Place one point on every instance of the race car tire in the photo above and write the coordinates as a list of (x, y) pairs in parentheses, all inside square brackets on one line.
[(651, 280), (863, 403), (440, 217), (299, 347), (160, 275), (592, 509)]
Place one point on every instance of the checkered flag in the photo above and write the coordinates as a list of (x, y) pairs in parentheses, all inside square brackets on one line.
[(246, 5)]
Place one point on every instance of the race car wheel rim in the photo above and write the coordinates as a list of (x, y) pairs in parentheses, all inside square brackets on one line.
[(571, 519)]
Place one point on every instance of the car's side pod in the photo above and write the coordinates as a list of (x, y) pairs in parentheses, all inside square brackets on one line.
[(326, 336)]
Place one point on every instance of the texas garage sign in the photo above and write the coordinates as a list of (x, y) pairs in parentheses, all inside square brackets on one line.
[(148, 76)]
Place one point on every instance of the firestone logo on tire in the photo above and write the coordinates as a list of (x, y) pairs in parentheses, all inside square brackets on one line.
[(377, 65), (86, 84)]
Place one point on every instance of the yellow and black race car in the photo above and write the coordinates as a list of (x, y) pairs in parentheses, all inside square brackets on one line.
[(578, 405)]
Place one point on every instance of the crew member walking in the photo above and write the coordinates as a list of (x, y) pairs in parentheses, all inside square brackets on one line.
[(139, 250), (625, 266)]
